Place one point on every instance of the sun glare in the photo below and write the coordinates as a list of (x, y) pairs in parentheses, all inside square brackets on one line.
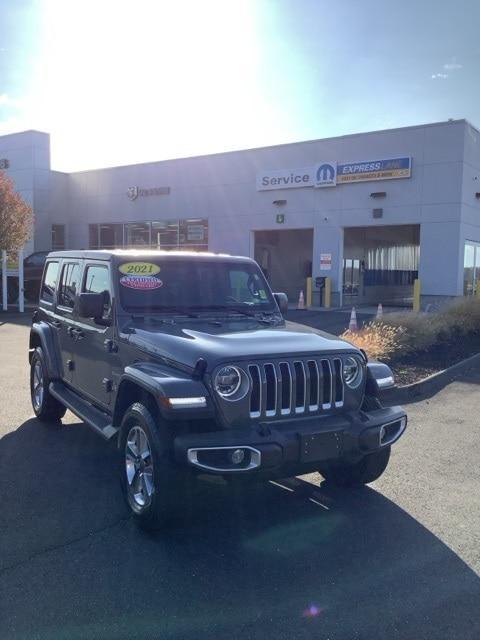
[(120, 83)]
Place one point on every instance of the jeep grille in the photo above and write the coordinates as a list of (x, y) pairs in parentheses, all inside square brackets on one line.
[(295, 387)]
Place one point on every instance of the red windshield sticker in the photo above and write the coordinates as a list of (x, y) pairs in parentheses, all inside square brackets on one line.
[(141, 282)]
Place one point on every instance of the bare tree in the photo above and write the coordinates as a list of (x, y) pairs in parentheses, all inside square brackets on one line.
[(16, 216)]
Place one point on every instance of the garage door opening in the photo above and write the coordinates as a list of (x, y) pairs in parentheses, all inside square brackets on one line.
[(380, 264), (285, 258)]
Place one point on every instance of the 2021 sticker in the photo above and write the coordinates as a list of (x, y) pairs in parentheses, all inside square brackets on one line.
[(143, 283), (139, 268)]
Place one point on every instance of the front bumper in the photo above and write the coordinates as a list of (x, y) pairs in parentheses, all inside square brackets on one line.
[(291, 446)]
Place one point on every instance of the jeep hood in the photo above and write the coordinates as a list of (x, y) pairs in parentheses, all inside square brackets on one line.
[(233, 341)]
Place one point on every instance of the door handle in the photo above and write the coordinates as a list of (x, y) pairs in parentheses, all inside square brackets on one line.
[(76, 334), (56, 323)]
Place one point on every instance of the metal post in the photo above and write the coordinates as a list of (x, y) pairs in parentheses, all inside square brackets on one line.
[(4, 280), (21, 283), (416, 295), (328, 293), (309, 292)]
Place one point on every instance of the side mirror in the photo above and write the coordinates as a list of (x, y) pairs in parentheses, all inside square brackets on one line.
[(282, 301), (91, 305)]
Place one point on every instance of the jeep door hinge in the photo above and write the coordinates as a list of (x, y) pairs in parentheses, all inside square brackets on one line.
[(110, 345), (108, 384)]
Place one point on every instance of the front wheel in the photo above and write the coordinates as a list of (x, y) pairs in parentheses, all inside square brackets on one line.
[(366, 470), (150, 482)]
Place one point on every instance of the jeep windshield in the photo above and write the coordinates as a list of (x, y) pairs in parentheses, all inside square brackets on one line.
[(174, 286)]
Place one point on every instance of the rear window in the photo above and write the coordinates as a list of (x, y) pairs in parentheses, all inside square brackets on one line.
[(49, 282)]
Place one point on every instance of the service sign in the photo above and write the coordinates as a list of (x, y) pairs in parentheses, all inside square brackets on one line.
[(330, 174), (288, 179)]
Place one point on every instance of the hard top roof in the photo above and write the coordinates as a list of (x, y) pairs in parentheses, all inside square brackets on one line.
[(142, 254)]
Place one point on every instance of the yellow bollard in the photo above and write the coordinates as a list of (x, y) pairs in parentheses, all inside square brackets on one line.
[(309, 292), (327, 297), (416, 295), (477, 289)]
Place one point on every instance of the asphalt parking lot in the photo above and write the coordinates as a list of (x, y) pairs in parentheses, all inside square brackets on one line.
[(293, 560)]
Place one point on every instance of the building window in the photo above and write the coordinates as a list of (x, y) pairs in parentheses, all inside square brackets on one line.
[(188, 233), (471, 268), (137, 234), (58, 237)]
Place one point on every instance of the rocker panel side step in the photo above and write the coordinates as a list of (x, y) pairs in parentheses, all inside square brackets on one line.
[(99, 421)]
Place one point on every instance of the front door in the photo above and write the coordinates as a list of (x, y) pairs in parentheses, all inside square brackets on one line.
[(93, 347)]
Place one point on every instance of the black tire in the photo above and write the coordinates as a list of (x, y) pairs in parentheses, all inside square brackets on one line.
[(366, 470), (162, 483), (47, 408)]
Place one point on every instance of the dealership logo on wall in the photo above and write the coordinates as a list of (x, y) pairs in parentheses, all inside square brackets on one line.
[(326, 174), (135, 192)]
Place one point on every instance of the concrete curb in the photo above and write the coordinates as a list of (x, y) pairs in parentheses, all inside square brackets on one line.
[(432, 384)]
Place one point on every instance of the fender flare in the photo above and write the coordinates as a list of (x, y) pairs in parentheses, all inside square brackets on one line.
[(42, 333), (162, 382)]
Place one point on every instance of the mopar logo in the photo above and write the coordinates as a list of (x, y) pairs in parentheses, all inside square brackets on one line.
[(326, 174)]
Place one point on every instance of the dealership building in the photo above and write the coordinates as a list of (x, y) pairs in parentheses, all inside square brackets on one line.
[(372, 211)]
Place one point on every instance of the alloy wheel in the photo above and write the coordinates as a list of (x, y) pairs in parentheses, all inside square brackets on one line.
[(139, 468), (37, 385)]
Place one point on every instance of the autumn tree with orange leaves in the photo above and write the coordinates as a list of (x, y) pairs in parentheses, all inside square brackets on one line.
[(16, 216)]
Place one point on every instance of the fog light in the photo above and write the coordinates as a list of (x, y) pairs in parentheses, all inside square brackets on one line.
[(237, 456), (382, 434)]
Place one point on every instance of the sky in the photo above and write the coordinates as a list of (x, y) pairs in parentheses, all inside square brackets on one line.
[(119, 82)]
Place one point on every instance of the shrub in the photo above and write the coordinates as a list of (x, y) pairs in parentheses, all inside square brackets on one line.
[(398, 334), (463, 317), (380, 341)]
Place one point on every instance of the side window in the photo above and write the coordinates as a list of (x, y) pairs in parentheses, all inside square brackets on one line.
[(97, 280), (68, 285), (49, 282)]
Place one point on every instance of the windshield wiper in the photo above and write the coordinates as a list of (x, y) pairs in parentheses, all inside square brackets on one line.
[(224, 307)]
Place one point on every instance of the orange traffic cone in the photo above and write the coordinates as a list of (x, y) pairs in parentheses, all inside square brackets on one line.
[(379, 315), (353, 321), (301, 301)]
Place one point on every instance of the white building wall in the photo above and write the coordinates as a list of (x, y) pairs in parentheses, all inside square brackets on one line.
[(438, 196)]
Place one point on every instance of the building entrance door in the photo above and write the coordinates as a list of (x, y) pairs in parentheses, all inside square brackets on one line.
[(285, 258)]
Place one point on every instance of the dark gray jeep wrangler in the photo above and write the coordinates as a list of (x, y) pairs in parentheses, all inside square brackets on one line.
[(187, 360)]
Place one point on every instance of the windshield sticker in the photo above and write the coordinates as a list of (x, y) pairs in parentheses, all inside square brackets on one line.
[(139, 268), (141, 282)]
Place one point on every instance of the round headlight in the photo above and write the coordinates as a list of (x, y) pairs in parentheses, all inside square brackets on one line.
[(228, 381), (352, 372)]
